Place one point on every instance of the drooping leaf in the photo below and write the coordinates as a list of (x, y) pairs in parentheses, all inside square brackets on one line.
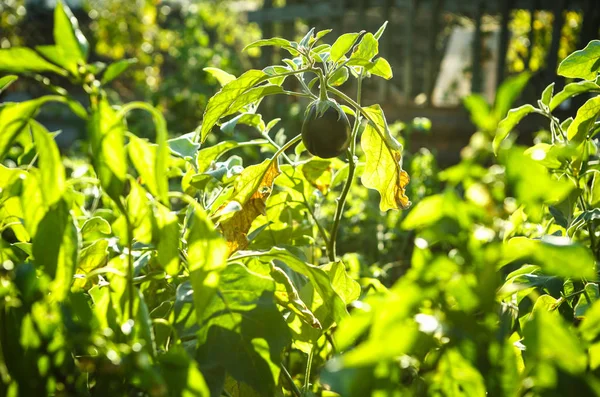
[(52, 171), (585, 119), (242, 331), (582, 64), (555, 255), (547, 95), (381, 67), (250, 190), (383, 165), (509, 122), (342, 45), (287, 296), (115, 69), (23, 60)]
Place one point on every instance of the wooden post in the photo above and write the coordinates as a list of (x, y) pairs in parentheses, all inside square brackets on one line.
[(476, 61), (552, 60), (530, 36), (408, 58), (385, 47), (506, 6), (431, 62)]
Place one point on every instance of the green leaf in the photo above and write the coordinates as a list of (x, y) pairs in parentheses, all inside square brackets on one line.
[(222, 76), (380, 31), (52, 171), (207, 155), (68, 36), (23, 60), (339, 77), (333, 305), (383, 163), (507, 93), (287, 296), (143, 157), (456, 376), (584, 120), (183, 146), (480, 112), (115, 69), (381, 68), (95, 225), (366, 49), (583, 219), (56, 55), (56, 247), (169, 236), (346, 287), (557, 256), (6, 81), (14, 117), (207, 255), (342, 45), (586, 300), (548, 340), (508, 124), (572, 90), (242, 331), (275, 41), (250, 119), (107, 139), (181, 373), (547, 95), (222, 103), (582, 64), (93, 256)]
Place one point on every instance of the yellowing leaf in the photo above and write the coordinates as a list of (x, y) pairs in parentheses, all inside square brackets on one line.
[(383, 165), (251, 190)]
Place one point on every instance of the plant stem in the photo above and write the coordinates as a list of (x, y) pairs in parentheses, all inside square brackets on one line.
[(130, 283), (308, 369), (286, 373), (341, 201)]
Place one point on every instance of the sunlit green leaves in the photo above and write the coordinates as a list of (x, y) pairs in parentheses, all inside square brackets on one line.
[(52, 172), (584, 120), (572, 90), (555, 255), (509, 123), (383, 170), (342, 45), (365, 51), (6, 81), (582, 64), (68, 36), (21, 60), (115, 69), (242, 331)]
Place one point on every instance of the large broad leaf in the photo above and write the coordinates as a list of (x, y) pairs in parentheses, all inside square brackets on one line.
[(549, 341), (207, 155), (333, 307), (23, 60), (584, 120), (251, 190), (52, 171), (572, 90), (242, 331), (509, 122), (68, 36), (233, 97), (107, 138), (206, 255), (365, 51), (181, 374), (582, 64), (56, 247), (558, 256), (383, 164)]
